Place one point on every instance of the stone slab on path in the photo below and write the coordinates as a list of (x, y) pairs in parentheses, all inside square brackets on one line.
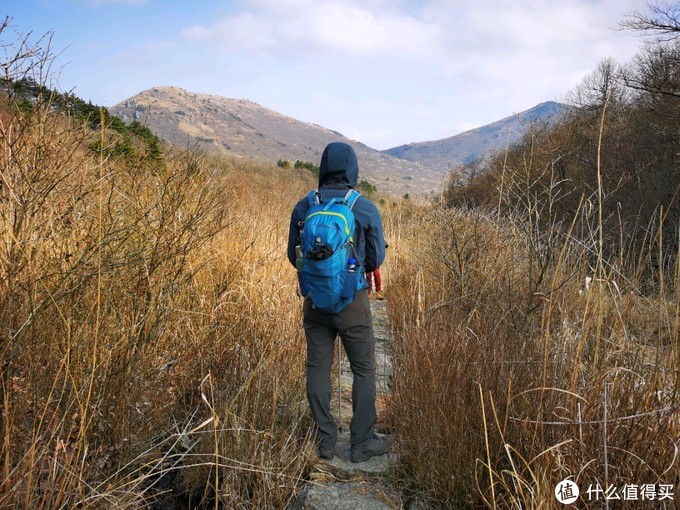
[(341, 496), (342, 467)]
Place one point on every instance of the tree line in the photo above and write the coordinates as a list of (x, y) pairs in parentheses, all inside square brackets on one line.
[(130, 140), (609, 170)]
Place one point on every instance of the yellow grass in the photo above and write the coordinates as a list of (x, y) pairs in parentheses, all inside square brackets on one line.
[(151, 334), (151, 341), (503, 389)]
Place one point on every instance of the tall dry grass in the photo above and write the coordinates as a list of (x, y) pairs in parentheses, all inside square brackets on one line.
[(150, 326), (510, 376)]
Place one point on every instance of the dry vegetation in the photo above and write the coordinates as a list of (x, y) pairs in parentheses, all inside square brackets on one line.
[(510, 374), (503, 388), (151, 331), (150, 327)]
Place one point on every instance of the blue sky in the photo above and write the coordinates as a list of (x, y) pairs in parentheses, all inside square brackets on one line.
[(383, 72)]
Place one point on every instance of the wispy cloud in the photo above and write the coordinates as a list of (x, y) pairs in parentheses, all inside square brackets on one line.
[(384, 72), (471, 61), (305, 27)]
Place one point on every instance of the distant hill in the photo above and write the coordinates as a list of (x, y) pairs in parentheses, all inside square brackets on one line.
[(441, 155), (242, 128)]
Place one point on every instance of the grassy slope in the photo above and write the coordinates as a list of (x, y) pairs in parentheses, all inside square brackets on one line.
[(150, 320)]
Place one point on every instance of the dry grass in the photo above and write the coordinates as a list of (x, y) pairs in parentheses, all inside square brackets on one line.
[(150, 332), (150, 339), (505, 385)]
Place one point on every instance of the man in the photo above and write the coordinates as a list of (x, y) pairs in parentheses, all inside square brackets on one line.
[(338, 173)]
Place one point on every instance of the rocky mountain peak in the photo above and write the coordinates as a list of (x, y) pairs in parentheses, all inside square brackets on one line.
[(242, 128)]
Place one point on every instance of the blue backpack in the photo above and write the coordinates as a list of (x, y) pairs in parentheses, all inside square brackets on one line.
[(330, 272)]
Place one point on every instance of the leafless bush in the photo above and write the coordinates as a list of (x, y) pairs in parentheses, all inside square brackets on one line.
[(506, 384), (150, 325)]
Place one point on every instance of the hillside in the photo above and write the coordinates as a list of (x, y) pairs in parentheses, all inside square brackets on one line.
[(242, 128), (442, 154)]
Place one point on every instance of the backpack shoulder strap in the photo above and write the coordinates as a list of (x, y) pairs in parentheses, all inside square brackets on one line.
[(314, 197), (351, 197)]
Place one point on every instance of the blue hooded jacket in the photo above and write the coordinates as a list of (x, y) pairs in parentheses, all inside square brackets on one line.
[(338, 172)]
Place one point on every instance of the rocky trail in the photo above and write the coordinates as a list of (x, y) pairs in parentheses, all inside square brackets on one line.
[(340, 484)]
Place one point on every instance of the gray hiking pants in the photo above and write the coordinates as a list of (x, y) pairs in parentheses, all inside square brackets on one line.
[(354, 325)]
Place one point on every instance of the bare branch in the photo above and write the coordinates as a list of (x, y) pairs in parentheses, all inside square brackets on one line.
[(662, 23)]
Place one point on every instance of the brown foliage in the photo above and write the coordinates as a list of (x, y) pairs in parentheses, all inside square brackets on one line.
[(505, 385), (149, 324)]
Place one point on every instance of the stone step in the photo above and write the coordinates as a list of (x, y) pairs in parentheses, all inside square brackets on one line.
[(343, 468), (342, 496)]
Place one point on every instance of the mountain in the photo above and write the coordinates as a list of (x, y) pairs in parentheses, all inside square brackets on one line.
[(441, 155), (245, 129), (241, 128)]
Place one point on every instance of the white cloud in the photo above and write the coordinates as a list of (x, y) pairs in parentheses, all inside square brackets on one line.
[(462, 64), (385, 72), (197, 32), (358, 30), (244, 32), (298, 27)]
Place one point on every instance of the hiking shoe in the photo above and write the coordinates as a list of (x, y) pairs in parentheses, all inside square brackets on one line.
[(326, 453), (327, 450), (372, 447), (379, 295)]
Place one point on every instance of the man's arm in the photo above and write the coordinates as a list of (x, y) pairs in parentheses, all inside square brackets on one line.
[(375, 241), (294, 233)]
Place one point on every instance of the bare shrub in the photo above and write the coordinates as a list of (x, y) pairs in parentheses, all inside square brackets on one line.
[(150, 330), (505, 385)]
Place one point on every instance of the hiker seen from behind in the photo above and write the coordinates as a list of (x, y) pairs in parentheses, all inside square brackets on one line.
[(335, 237)]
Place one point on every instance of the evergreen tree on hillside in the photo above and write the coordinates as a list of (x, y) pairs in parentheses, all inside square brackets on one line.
[(308, 166), (366, 187), (135, 140)]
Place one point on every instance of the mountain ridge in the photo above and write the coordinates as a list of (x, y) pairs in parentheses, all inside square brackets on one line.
[(475, 143), (242, 128), (245, 129)]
